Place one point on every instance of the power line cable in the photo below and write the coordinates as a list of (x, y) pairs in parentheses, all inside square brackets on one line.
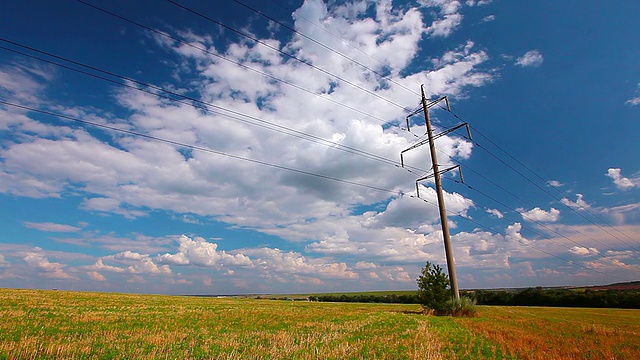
[(530, 205), (538, 186), (325, 46), (291, 56), (254, 161), (559, 192), (526, 217), (204, 105), (222, 57), (198, 148), (342, 40), (570, 262)]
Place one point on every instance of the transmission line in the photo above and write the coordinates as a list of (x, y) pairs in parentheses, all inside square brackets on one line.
[(198, 104), (530, 205), (324, 46), (291, 56), (196, 147), (222, 57)]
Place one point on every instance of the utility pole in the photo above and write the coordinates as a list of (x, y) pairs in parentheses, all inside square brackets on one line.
[(451, 266)]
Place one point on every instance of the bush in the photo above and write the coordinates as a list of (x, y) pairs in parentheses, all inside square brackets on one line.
[(464, 307)]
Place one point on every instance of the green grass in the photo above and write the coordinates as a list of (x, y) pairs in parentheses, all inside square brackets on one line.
[(38, 324)]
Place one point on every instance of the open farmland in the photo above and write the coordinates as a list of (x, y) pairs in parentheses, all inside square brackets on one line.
[(56, 324)]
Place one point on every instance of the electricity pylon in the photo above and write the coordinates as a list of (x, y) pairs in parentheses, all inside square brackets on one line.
[(451, 267)]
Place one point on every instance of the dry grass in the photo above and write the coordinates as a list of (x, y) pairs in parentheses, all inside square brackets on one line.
[(70, 325), (558, 333)]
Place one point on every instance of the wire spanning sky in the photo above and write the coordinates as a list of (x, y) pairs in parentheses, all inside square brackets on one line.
[(193, 147)]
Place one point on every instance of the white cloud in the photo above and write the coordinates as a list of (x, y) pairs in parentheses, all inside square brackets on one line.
[(449, 18), (579, 204), (445, 26), (278, 264), (488, 18), (478, 2), (635, 100), (537, 214), (495, 212), (96, 276), (51, 227), (583, 251), (3, 262), (555, 183), (622, 182), (199, 252), (137, 263), (100, 266), (131, 176), (616, 262), (532, 58), (38, 261)]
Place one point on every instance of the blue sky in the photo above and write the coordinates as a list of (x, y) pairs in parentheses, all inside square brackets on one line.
[(213, 150)]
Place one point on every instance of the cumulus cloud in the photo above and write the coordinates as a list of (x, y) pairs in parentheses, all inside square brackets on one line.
[(622, 183), (123, 175), (136, 263), (448, 20), (131, 176), (537, 214), (532, 58), (96, 276), (478, 2), (199, 252), (278, 264), (37, 260)]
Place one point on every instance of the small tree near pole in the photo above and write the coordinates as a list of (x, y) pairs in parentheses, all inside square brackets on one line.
[(433, 289)]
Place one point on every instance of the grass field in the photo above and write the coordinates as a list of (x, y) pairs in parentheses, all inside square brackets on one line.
[(37, 324)]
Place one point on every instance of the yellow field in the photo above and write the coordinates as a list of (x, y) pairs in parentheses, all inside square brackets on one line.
[(55, 324)]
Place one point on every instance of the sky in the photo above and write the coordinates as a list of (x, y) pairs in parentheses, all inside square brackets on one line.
[(250, 147)]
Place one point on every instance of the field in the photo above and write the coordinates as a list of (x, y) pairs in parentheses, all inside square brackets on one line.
[(38, 324)]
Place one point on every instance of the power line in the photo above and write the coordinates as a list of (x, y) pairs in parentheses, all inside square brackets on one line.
[(222, 57), (193, 100), (324, 46), (196, 147), (475, 129), (291, 56), (343, 40), (570, 262), (559, 192), (198, 104), (523, 215), (531, 220), (258, 162)]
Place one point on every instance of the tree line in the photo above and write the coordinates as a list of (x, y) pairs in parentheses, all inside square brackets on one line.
[(627, 299)]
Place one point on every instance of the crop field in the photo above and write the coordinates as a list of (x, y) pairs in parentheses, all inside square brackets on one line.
[(38, 324)]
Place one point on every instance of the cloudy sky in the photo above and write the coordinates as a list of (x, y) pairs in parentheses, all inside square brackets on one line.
[(199, 147)]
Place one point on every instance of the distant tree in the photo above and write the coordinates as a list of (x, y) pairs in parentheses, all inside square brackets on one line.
[(433, 289)]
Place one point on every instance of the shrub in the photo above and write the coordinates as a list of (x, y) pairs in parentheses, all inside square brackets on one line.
[(464, 307)]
